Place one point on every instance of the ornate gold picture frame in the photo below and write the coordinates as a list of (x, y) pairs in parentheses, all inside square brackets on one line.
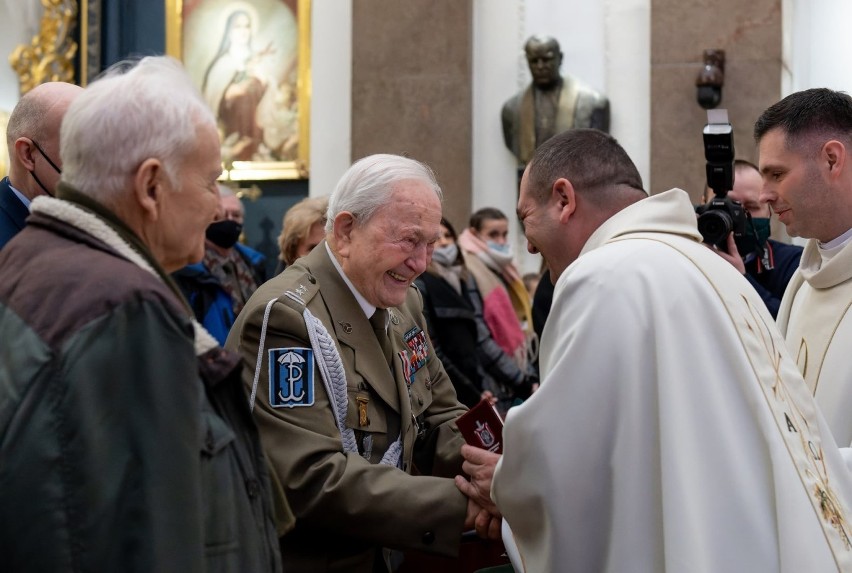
[(251, 61)]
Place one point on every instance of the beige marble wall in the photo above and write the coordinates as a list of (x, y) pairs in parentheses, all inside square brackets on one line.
[(750, 34), (411, 88)]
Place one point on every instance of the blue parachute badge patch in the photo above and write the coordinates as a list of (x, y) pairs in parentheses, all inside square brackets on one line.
[(291, 377)]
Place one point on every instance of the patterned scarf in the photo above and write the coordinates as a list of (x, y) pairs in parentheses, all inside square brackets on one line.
[(503, 266), (233, 273)]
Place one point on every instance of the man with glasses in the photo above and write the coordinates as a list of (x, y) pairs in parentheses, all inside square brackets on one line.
[(32, 137)]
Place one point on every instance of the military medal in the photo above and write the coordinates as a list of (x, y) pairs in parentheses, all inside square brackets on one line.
[(363, 419)]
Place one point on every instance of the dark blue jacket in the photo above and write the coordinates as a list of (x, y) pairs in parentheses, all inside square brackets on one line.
[(771, 284), (210, 303), (13, 213)]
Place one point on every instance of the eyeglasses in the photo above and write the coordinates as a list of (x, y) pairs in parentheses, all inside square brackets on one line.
[(43, 154)]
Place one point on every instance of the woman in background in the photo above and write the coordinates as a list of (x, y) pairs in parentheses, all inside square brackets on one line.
[(476, 364), (303, 229)]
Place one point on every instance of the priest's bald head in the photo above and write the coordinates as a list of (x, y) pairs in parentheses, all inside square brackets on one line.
[(575, 181)]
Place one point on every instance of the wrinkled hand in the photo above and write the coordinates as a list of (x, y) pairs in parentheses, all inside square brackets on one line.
[(735, 259), (487, 526), (479, 464)]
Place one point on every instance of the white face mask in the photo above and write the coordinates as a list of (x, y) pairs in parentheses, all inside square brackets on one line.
[(501, 248), (446, 255)]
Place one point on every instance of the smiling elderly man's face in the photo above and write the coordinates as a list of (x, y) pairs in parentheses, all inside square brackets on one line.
[(384, 255)]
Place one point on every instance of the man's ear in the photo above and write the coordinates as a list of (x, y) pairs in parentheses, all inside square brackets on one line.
[(564, 196), (833, 153), (344, 224), (149, 186), (24, 152)]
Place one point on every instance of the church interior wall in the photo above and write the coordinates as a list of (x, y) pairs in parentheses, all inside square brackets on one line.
[(411, 87), (750, 34), (428, 78)]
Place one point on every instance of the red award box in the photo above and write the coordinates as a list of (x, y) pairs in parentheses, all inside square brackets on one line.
[(482, 427)]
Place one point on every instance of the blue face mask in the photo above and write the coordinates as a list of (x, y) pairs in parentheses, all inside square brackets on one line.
[(446, 255), (502, 248)]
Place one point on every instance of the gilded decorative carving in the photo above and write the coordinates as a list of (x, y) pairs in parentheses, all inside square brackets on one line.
[(50, 54)]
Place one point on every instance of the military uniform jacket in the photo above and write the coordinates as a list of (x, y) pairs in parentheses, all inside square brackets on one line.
[(348, 505)]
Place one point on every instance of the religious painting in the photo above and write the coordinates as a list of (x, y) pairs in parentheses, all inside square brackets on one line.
[(251, 61)]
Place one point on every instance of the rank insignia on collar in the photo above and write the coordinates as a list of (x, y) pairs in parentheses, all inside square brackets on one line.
[(291, 377), (393, 316), (415, 339), (347, 328)]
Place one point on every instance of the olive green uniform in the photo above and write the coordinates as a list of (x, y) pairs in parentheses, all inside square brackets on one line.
[(348, 505)]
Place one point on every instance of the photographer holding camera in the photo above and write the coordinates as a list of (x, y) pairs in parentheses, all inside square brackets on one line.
[(766, 264)]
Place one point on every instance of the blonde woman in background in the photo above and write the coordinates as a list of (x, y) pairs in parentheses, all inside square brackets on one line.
[(303, 229)]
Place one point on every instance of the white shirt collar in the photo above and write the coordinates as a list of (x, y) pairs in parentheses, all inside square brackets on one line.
[(838, 242), (368, 308), (834, 246)]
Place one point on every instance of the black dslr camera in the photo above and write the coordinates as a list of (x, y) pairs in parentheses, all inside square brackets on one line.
[(721, 215)]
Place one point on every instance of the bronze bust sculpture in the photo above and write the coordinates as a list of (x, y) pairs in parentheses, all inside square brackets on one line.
[(551, 104)]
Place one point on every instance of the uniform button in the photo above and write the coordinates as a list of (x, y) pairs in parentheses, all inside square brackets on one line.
[(420, 399), (428, 538), (252, 488), (209, 441)]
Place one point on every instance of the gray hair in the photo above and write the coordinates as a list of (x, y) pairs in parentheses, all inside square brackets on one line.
[(369, 182), (133, 112)]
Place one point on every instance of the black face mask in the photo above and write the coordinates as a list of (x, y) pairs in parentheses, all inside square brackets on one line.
[(754, 239), (224, 234), (52, 164), (40, 184)]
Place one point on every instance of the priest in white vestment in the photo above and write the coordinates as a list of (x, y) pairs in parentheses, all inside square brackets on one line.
[(672, 430), (805, 142)]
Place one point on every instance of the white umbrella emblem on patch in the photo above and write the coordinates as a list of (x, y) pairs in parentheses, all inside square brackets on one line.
[(293, 361)]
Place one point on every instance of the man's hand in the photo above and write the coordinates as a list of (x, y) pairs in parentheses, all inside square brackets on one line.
[(735, 259), (487, 526), (479, 465)]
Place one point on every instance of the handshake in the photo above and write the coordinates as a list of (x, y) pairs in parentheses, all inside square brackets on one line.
[(482, 513)]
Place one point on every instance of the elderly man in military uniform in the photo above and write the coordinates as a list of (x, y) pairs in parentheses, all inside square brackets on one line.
[(551, 104), (346, 389)]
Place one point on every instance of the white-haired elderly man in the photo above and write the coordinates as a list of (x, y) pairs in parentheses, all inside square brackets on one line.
[(346, 389), (125, 440)]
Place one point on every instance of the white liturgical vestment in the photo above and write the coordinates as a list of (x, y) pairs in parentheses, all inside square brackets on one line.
[(672, 430), (815, 319)]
